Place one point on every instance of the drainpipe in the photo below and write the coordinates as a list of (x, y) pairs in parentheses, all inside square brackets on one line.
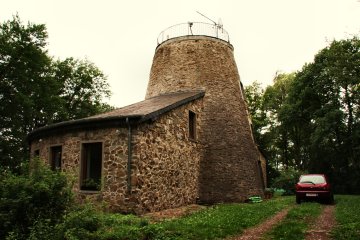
[(129, 156)]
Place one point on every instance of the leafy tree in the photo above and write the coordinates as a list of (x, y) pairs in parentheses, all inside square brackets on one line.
[(23, 70), (324, 103), (312, 118), (83, 87), (255, 103), (278, 136), (35, 90)]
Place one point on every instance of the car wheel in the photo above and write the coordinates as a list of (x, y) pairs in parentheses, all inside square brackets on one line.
[(298, 200)]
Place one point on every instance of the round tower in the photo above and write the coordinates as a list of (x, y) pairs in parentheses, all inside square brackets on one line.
[(229, 168)]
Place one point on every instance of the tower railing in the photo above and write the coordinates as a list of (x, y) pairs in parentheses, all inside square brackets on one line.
[(193, 29)]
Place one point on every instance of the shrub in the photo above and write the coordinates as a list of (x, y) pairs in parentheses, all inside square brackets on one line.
[(287, 180), (27, 200), (81, 223)]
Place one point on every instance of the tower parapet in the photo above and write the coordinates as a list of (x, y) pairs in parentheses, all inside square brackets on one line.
[(194, 29)]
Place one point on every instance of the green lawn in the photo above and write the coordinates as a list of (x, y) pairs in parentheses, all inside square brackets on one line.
[(347, 214)]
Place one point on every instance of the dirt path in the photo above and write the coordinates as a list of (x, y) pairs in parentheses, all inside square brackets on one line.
[(323, 224), (258, 231)]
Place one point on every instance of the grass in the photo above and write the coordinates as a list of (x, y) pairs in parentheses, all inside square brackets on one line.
[(348, 218), (221, 220), (296, 223), (215, 222)]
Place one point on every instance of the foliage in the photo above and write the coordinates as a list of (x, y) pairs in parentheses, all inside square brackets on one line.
[(324, 105), (296, 223), (271, 135), (287, 180), (255, 103), (36, 90), (310, 120), (347, 218), (38, 195)]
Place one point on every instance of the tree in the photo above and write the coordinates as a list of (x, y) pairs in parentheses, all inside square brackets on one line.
[(312, 118), (279, 137), (270, 133), (255, 103), (324, 102), (35, 90)]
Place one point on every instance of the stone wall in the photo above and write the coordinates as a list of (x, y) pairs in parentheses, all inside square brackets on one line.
[(229, 168), (263, 168), (113, 166), (165, 163)]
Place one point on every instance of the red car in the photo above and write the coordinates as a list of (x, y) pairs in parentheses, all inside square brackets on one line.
[(314, 187)]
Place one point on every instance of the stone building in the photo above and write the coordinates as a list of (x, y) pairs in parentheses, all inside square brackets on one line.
[(190, 140)]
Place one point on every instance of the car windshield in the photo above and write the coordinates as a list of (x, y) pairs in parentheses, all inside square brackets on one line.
[(313, 179)]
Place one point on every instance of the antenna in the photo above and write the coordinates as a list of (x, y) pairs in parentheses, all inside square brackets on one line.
[(220, 23), (206, 17)]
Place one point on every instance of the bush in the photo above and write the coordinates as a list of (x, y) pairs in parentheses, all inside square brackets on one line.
[(81, 223), (37, 198), (287, 180)]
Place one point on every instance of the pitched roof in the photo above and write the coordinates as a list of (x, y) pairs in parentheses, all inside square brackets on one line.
[(148, 109)]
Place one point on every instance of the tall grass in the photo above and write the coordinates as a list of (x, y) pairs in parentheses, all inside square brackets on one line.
[(347, 214)]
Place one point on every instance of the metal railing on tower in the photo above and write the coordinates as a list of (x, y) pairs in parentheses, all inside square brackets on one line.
[(193, 29)]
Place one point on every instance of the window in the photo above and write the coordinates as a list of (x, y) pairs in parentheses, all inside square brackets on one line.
[(55, 157), (192, 125), (36, 153), (91, 161)]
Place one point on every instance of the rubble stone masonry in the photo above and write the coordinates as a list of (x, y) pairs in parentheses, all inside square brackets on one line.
[(229, 169), (164, 169)]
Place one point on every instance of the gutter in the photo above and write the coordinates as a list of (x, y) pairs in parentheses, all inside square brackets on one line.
[(129, 156)]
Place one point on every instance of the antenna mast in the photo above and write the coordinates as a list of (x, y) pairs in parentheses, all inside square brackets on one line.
[(207, 18), (217, 25)]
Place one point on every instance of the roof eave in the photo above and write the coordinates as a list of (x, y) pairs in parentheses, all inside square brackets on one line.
[(107, 122), (85, 123)]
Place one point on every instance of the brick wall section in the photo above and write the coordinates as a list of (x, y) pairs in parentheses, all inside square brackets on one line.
[(165, 163), (229, 169)]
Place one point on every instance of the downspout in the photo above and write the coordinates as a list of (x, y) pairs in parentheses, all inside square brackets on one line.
[(129, 156)]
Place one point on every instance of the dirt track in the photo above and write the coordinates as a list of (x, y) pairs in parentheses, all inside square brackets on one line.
[(258, 231), (323, 224), (320, 231)]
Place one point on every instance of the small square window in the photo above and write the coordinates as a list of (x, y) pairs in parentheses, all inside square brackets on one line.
[(36, 153), (192, 125), (55, 157), (91, 161)]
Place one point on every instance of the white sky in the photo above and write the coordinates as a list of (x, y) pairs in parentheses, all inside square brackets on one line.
[(120, 36)]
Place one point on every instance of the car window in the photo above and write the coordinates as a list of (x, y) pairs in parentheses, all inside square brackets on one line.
[(313, 179)]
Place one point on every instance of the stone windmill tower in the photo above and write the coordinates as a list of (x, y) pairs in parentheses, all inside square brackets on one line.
[(199, 56)]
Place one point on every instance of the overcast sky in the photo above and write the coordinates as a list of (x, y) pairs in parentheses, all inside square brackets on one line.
[(120, 36)]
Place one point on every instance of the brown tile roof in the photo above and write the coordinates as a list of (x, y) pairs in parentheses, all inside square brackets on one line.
[(136, 113)]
